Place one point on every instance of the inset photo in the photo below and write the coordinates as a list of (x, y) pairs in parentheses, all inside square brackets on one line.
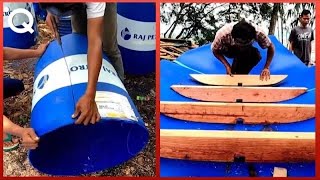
[(79, 89), (237, 89)]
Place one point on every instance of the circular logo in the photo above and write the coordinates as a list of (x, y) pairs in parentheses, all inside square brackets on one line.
[(43, 81), (125, 34)]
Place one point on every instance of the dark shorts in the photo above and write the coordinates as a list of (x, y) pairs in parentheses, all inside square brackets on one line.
[(244, 59), (12, 87)]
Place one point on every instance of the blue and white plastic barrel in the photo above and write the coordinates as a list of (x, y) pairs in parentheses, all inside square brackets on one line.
[(64, 25), (69, 149), (40, 14), (137, 37), (13, 39)]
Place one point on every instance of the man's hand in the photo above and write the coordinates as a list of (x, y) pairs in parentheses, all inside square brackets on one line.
[(87, 109), (228, 69), (265, 74), (29, 138), (42, 48)]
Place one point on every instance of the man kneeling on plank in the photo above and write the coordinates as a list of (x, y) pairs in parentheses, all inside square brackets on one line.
[(234, 40)]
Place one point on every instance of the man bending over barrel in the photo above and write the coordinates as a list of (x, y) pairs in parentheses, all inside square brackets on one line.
[(234, 40), (99, 22)]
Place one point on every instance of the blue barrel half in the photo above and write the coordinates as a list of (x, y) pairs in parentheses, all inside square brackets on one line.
[(136, 37), (13, 39), (69, 149)]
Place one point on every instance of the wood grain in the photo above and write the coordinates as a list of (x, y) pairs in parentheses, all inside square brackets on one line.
[(224, 146), (245, 94), (245, 80), (251, 113)]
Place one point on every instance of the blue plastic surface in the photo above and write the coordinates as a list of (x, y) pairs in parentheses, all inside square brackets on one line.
[(137, 11), (138, 62), (184, 168), (69, 149), (21, 41), (201, 60), (64, 25)]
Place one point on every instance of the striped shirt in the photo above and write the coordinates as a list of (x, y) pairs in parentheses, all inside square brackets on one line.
[(223, 39)]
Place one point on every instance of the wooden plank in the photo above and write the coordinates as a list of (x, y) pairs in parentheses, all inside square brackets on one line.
[(251, 113), (225, 146), (280, 172), (176, 41), (168, 52), (176, 49), (168, 57), (237, 80), (236, 94)]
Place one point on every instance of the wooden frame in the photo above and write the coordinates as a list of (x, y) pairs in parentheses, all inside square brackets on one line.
[(226, 146), (239, 94), (250, 113), (237, 80)]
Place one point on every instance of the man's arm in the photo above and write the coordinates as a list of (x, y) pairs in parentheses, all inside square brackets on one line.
[(29, 137), (15, 54), (217, 45), (312, 39), (265, 73), (95, 29), (223, 60), (10, 128), (270, 54), (291, 46), (291, 40), (86, 105)]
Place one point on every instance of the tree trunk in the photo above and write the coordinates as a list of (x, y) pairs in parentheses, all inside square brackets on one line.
[(172, 30), (175, 23), (165, 34), (274, 18), (282, 22)]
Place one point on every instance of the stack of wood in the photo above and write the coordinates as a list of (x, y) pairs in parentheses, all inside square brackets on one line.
[(171, 49)]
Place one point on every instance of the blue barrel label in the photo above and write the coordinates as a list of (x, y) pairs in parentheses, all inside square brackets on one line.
[(113, 105), (43, 81), (56, 76), (136, 35)]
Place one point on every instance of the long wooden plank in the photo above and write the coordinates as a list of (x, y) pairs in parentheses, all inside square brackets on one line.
[(237, 80), (251, 113), (236, 94), (226, 146)]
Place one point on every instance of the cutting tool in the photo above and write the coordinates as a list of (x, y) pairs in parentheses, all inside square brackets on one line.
[(54, 24)]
